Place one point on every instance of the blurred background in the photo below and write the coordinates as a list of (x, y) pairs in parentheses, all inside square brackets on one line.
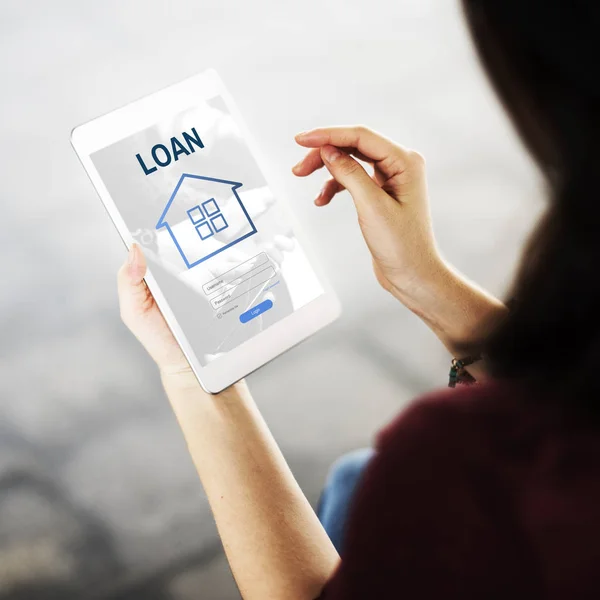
[(98, 497)]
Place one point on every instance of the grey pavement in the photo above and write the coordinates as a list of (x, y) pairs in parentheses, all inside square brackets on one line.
[(98, 497)]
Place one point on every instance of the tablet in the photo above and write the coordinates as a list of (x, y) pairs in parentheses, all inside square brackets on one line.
[(227, 265)]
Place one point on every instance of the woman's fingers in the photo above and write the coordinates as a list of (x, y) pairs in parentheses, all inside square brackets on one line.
[(350, 174), (133, 293), (313, 162), (371, 144), (334, 148), (330, 188), (309, 164)]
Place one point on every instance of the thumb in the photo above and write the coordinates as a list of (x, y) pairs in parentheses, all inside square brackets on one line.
[(349, 173), (133, 292)]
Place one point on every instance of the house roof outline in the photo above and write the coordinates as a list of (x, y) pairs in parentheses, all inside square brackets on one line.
[(163, 223)]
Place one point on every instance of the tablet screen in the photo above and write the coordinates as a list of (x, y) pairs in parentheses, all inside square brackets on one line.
[(217, 240)]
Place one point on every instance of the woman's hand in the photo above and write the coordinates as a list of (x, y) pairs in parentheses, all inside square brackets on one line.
[(141, 315), (393, 213), (392, 204)]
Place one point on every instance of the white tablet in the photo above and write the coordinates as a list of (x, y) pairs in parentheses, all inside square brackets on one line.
[(228, 268)]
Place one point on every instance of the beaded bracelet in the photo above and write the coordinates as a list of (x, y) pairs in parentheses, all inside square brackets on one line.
[(458, 374)]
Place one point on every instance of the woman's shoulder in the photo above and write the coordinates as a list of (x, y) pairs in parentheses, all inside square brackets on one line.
[(481, 422), (511, 431), (452, 410)]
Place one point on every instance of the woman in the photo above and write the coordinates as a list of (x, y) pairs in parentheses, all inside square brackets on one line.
[(487, 491)]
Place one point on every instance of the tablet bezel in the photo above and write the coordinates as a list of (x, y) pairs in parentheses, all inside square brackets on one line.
[(269, 343)]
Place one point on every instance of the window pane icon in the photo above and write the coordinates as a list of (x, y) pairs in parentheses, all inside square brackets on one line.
[(204, 231), (196, 214), (211, 207), (219, 223), (207, 228)]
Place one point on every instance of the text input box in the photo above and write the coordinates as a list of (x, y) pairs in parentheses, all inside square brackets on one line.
[(235, 273), (254, 279)]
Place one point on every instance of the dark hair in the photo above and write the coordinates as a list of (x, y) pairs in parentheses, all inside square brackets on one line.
[(541, 57)]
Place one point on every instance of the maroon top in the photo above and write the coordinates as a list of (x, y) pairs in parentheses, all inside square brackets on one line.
[(478, 493)]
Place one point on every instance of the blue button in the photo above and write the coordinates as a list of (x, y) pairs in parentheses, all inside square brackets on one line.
[(259, 309)]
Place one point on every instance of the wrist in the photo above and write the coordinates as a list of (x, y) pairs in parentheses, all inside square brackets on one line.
[(184, 380), (456, 309), (178, 377), (424, 289), (467, 313), (202, 415)]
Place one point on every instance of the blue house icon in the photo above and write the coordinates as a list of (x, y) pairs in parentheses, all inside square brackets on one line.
[(200, 208)]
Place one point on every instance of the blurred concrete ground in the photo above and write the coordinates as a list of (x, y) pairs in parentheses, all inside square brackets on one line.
[(98, 497)]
